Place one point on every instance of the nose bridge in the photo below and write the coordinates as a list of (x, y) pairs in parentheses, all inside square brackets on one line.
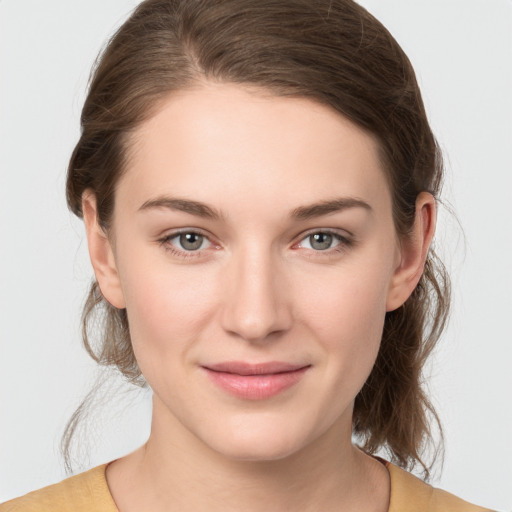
[(255, 303)]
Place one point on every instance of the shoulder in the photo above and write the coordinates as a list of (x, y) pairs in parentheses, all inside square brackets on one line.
[(80, 493), (406, 489)]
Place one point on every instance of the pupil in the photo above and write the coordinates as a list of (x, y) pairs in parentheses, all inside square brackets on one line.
[(191, 241), (321, 241)]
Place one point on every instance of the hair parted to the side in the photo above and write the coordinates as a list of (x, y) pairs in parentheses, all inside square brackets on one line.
[(331, 51)]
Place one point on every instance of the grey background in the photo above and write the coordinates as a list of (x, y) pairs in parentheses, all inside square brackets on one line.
[(462, 52)]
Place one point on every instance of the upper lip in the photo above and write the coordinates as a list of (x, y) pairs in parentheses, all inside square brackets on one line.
[(244, 368)]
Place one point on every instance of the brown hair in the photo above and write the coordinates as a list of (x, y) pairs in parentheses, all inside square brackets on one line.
[(332, 51)]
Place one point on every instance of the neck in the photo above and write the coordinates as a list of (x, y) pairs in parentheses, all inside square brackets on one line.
[(176, 471)]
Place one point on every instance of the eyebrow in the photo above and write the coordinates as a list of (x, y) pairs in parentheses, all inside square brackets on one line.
[(301, 213), (183, 205), (326, 207)]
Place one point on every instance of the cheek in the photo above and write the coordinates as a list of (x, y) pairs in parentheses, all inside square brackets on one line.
[(167, 308), (347, 301), (346, 317)]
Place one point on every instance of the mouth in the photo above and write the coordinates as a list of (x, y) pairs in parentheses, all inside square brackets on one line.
[(255, 381)]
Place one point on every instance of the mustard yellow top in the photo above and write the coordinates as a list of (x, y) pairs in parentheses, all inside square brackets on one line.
[(88, 492)]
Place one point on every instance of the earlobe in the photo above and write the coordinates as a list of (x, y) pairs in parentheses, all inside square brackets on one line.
[(101, 253), (413, 252)]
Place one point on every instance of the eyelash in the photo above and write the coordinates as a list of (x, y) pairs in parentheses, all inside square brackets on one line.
[(165, 243), (343, 245)]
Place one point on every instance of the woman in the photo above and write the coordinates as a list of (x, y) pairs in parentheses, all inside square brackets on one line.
[(258, 185)]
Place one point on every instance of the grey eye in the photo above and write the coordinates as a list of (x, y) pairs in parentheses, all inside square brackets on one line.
[(321, 241), (191, 241)]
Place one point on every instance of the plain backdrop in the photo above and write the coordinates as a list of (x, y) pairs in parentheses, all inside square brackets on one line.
[(462, 52)]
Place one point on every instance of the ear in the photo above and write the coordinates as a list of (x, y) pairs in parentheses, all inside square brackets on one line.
[(101, 253), (413, 252)]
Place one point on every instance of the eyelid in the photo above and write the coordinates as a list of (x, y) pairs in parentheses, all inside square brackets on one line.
[(344, 237), (164, 240), (340, 234), (345, 242), (180, 231)]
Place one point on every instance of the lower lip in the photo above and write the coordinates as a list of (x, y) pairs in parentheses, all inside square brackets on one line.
[(255, 387)]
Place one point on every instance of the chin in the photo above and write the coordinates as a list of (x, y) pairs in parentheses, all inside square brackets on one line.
[(258, 452), (257, 442)]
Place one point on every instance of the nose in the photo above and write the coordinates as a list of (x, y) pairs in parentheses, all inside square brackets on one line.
[(255, 305)]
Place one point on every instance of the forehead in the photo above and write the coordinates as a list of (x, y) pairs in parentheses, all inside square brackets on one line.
[(225, 141)]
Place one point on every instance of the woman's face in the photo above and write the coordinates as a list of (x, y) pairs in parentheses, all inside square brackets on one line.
[(256, 256)]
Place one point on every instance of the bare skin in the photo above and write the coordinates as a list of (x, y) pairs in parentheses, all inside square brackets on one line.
[(309, 482), (258, 229)]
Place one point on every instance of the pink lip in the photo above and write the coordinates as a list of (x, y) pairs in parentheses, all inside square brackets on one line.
[(255, 381)]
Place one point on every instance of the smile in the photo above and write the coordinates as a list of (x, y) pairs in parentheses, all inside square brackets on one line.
[(255, 381)]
